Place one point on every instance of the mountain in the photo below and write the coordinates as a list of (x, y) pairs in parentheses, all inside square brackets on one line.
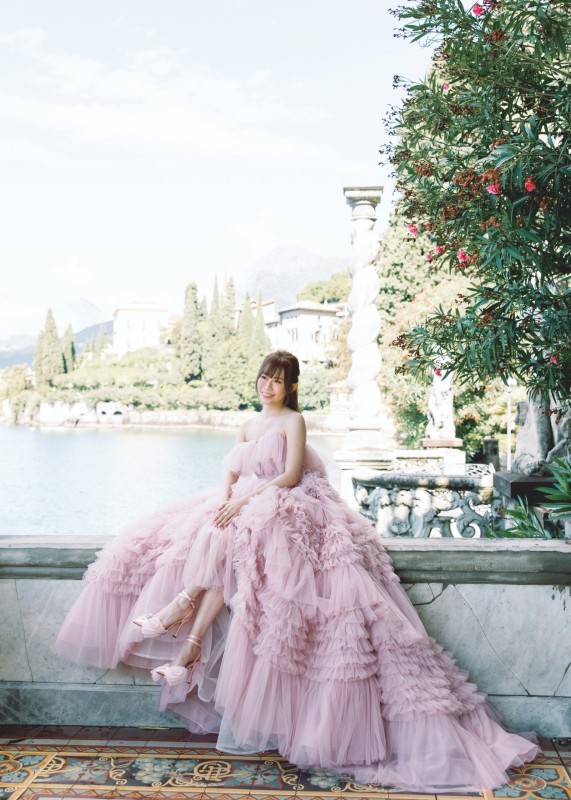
[(285, 270), (17, 350), (20, 349), (80, 313)]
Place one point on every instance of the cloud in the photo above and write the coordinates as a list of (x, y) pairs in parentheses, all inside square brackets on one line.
[(25, 41), (16, 150), (154, 100), (259, 234)]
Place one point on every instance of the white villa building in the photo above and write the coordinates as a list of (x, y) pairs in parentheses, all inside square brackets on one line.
[(138, 325), (306, 329)]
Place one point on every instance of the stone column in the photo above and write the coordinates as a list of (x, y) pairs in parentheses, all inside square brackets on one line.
[(370, 431), (365, 319)]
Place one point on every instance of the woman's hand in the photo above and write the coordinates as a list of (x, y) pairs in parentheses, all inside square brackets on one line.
[(227, 510)]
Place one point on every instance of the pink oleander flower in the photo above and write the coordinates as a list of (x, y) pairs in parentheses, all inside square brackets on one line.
[(446, 86), (554, 359), (411, 227), (463, 256), (438, 250), (477, 10), (494, 188), (429, 256), (530, 183)]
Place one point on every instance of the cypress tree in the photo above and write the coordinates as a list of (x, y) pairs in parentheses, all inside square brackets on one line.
[(189, 348), (52, 356), (68, 350), (260, 343), (101, 341), (39, 359), (212, 335), (246, 326), (228, 307)]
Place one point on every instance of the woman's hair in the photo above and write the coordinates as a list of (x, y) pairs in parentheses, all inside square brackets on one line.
[(282, 360)]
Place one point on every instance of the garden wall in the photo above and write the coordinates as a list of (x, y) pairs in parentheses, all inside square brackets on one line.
[(502, 608)]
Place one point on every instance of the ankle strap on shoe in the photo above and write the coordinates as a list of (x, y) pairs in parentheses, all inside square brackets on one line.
[(194, 639), (186, 595)]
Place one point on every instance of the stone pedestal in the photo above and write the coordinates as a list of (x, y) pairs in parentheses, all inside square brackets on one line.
[(512, 485), (350, 459), (453, 441)]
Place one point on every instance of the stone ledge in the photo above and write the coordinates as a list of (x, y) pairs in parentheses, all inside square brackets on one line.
[(79, 704), (514, 486), (76, 704), (528, 561)]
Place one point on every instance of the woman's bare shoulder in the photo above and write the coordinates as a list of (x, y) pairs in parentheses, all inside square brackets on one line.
[(294, 423)]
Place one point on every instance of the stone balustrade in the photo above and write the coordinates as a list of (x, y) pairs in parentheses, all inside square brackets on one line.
[(423, 506), (501, 607)]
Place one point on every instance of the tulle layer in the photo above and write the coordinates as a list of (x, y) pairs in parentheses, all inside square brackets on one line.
[(318, 650)]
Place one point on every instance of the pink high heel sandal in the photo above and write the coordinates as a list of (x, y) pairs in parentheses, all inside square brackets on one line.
[(151, 625), (175, 674)]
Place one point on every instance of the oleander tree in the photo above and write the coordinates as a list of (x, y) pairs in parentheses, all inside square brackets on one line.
[(482, 154)]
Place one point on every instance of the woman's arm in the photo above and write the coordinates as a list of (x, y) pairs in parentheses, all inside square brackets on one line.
[(295, 450), (230, 478)]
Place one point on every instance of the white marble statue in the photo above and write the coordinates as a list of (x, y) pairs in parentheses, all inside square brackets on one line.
[(441, 407)]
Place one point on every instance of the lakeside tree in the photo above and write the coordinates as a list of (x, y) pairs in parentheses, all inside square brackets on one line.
[(48, 358), (68, 350), (38, 359), (482, 153), (260, 343), (329, 290), (211, 335), (100, 342), (189, 350)]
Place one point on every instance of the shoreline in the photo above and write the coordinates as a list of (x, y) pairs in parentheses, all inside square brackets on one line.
[(317, 423)]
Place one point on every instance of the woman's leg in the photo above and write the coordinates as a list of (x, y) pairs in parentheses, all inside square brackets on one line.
[(210, 605), (178, 606)]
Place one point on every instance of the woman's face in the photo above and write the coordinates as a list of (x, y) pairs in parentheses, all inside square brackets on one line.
[(271, 390)]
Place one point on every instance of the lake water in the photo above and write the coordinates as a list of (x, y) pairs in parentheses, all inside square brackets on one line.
[(95, 481)]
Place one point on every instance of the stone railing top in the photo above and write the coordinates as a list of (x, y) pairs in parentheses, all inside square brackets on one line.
[(511, 561), (369, 477)]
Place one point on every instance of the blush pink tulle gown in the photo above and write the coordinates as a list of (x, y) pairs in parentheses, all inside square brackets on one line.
[(318, 652)]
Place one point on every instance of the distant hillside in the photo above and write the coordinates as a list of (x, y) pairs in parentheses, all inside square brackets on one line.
[(17, 350), (284, 271), (20, 349)]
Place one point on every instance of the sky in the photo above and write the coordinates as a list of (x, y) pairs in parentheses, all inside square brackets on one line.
[(144, 145)]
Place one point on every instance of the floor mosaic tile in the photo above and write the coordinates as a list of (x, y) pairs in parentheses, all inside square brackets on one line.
[(139, 764), (546, 781)]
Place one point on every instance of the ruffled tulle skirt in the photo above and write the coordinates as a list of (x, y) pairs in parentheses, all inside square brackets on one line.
[(318, 651)]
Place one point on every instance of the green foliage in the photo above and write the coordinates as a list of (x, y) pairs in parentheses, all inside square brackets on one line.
[(526, 523), (68, 350), (48, 357), (331, 290), (314, 388), (559, 496), (101, 341), (14, 380), (38, 359), (558, 502), (189, 340), (403, 268), (483, 160), (479, 411)]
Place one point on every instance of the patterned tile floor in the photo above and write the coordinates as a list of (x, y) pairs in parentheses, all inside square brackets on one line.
[(37, 763)]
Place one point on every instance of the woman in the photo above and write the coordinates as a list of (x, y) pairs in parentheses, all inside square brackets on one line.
[(299, 635)]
